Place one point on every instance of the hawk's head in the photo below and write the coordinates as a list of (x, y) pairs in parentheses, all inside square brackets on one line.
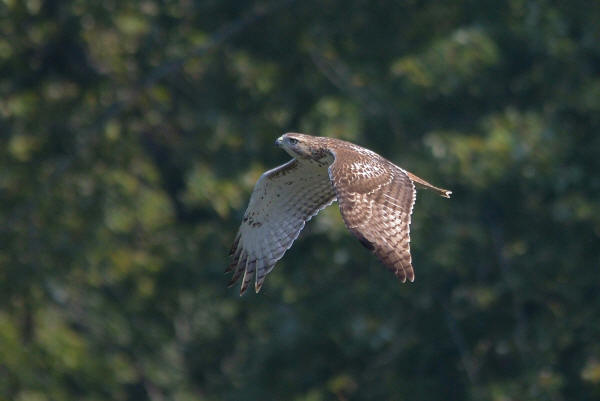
[(303, 146)]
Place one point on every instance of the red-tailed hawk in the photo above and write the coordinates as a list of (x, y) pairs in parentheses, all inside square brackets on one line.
[(376, 198)]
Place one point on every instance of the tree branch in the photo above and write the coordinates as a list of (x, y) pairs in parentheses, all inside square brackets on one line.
[(223, 34)]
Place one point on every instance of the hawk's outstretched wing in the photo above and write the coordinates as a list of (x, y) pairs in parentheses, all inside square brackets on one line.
[(376, 200), (283, 200)]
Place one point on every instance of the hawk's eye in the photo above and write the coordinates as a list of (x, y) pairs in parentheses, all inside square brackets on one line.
[(293, 141)]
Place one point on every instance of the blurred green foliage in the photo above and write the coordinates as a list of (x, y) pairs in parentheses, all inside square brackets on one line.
[(132, 133)]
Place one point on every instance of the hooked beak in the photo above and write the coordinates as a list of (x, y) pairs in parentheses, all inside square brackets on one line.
[(279, 141)]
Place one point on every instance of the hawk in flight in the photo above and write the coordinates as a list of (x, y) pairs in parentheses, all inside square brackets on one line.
[(375, 196)]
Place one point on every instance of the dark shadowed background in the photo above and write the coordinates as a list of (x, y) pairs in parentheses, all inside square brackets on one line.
[(132, 133)]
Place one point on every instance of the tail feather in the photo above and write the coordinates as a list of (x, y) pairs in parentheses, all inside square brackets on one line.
[(443, 192)]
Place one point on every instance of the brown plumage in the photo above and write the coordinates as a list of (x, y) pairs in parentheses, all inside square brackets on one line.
[(375, 196)]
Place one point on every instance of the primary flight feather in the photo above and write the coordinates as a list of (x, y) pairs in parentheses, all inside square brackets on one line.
[(375, 196)]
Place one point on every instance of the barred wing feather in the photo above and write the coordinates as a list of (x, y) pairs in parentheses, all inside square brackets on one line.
[(282, 201)]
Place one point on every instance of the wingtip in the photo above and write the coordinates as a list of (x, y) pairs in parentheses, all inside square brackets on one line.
[(401, 275), (234, 246), (244, 286)]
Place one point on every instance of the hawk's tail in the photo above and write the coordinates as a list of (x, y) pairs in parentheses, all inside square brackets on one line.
[(443, 192)]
